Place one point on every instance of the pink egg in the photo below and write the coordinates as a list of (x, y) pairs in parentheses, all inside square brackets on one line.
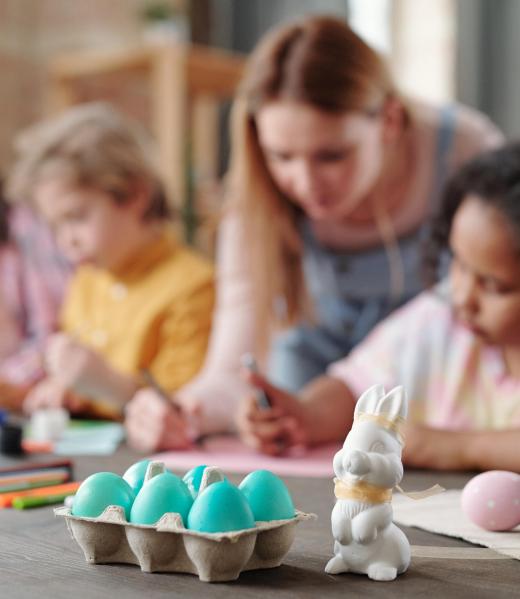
[(492, 500)]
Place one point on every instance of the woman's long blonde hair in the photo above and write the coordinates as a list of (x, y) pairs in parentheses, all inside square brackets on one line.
[(321, 62)]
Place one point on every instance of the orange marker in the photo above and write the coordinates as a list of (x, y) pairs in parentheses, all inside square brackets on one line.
[(30, 446), (6, 499)]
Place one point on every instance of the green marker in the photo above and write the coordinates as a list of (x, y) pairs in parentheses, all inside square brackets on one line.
[(23, 503)]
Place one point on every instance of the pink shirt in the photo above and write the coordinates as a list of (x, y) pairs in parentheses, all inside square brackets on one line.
[(453, 381), (33, 277), (218, 388)]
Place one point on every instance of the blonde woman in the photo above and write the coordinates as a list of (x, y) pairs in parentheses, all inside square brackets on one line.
[(332, 179)]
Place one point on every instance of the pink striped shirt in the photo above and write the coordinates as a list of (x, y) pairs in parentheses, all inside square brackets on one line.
[(33, 277)]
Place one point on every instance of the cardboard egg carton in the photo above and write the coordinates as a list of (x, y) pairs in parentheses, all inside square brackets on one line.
[(169, 547)]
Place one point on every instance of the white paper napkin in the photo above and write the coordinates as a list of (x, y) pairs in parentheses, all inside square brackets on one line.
[(442, 514)]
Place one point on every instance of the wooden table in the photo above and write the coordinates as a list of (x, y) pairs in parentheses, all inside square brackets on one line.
[(39, 559)]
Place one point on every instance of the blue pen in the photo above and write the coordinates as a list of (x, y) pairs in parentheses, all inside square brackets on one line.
[(262, 399)]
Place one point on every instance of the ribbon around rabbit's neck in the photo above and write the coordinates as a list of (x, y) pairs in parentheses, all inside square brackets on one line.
[(392, 424), (360, 490)]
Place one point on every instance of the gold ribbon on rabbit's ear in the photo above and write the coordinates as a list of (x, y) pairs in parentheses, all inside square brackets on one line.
[(361, 491), (391, 424)]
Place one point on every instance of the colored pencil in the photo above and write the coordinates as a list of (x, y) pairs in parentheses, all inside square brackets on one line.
[(25, 467), (22, 503), (151, 382), (22, 486), (34, 476), (68, 488)]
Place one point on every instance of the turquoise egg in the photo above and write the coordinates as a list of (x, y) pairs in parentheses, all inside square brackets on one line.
[(99, 491), (221, 507), (268, 496), (161, 494), (134, 476), (193, 478)]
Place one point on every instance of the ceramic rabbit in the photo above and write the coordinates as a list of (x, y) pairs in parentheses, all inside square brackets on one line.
[(367, 468)]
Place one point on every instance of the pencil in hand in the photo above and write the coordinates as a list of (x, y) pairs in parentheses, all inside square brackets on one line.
[(262, 399), (149, 380), (191, 427)]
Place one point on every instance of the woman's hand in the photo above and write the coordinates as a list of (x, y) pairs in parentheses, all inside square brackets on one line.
[(152, 424), (271, 430)]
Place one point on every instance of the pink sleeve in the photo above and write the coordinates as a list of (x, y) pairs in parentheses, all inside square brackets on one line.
[(372, 361), (218, 388), (42, 276), (20, 361), (10, 300), (399, 350)]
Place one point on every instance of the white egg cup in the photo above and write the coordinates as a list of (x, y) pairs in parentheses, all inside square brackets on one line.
[(367, 468)]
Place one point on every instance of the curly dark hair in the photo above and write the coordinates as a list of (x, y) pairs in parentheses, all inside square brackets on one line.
[(494, 177)]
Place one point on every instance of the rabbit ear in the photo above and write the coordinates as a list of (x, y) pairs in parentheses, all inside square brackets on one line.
[(369, 399), (394, 403)]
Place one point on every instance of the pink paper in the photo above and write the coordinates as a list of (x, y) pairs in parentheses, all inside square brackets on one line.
[(231, 455)]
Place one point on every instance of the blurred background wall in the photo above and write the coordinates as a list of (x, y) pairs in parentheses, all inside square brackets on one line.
[(34, 31), (466, 50)]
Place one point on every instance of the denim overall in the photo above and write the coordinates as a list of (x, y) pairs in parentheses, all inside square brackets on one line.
[(350, 291)]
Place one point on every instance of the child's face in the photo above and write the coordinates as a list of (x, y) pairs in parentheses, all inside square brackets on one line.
[(485, 273), (324, 163), (88, 224)]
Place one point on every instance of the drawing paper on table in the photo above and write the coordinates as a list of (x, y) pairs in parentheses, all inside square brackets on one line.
[(84, 437), (231, 455)]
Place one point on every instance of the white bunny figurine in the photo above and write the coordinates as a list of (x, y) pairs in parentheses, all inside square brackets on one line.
[(367, 468)]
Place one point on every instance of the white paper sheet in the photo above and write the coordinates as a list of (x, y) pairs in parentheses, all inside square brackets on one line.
[(442, 514)]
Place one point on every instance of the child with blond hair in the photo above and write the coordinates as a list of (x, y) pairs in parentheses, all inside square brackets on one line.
[(138, 298)]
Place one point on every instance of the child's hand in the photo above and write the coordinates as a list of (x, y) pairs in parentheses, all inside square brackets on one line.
[(152, 424), (75, 366), (272, 430), (48, 393)]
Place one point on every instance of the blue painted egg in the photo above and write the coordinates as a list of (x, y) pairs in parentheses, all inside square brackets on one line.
[(193, 478), (134, 476), (161, 494), (221, 507), (99, 491), (268, 496)]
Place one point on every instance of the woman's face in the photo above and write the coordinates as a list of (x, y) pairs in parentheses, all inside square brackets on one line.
[(323, 162), (485, 273)]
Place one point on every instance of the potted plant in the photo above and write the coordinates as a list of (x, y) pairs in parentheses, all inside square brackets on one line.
[(163, 23)]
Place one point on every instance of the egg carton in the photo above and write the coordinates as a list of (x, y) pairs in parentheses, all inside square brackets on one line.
[(169, 547)]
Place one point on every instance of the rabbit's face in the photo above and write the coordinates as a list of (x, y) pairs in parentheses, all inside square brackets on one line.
[(369, 437), (364, 438)]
